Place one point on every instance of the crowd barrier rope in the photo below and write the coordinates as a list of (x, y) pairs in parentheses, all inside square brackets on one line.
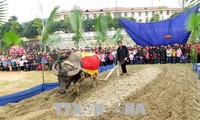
[(16, 97)]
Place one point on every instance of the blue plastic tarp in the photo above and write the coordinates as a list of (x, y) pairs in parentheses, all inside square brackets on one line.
[(154, 33)]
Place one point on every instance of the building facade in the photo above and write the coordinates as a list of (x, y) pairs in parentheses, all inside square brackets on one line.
[(141, 14)]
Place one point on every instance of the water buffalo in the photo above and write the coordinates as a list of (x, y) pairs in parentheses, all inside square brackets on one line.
[(69, 74)]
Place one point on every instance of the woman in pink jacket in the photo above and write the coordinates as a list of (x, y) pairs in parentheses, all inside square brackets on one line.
[(178, 54)]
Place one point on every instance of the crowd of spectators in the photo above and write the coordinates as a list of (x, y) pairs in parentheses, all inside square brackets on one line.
[(33, 58)]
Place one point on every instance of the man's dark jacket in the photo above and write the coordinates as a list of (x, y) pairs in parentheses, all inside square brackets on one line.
[(122, 53)]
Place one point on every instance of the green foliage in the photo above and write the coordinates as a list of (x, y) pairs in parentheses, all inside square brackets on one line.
[(174, 14), (54, 41), (188, 3), (29, 30), (76, 22), (109, 20), (101, 28), (47, 26), (88, 25), (193, 26), (193, 53), (155, 18), (117, 23), (117, 36), (67, 23), (11, 38), (130, 19), (13, 18), (37, 23), (3, 6)]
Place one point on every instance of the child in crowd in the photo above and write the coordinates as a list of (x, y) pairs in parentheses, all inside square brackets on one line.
[(178, 54), (131, 57), (147, 57), (173, 55)]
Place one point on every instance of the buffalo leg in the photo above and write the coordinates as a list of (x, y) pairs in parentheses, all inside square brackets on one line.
[(77, 85)]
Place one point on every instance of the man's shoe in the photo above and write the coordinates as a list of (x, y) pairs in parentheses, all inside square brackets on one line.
[(126, 74)]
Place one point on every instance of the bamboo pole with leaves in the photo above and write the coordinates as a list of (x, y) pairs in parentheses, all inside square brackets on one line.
[(46, 27), (3, 10), (76, 22), (193, 26), (101, 28), (46, 32), (117, 36)]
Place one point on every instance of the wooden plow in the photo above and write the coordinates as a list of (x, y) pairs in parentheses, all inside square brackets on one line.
[(94, 75)]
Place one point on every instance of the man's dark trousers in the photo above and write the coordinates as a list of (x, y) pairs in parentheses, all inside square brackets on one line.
[(123, 66)]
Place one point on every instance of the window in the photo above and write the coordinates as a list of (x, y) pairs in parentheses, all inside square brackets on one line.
[(167, 12), (132, 14), (139, 14), (115, 15), (153, 13), (95, 16), (87, 16), (125, 14), (146, 20), (161, 12), (146, 13), (119, 14)]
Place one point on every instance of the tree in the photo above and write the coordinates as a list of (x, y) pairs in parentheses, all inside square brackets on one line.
[(46, 27), (29, 31), (68, 26), (174, 14), (76, 22), (101, 28), (13, 18), (11, 38), (109, 19), (116, 23), (155, 18), (37, 23), (88, 25)]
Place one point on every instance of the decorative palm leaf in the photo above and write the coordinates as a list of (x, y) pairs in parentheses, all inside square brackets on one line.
[(76, 22), (118, 35), (101, 28), (188, 3), (193, 26), (192, 2), (193, 53), (3, 5), (11, 38), (54, 41), (47, 25)]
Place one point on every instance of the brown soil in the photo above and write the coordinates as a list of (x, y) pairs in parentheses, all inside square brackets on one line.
[(168, 92)]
